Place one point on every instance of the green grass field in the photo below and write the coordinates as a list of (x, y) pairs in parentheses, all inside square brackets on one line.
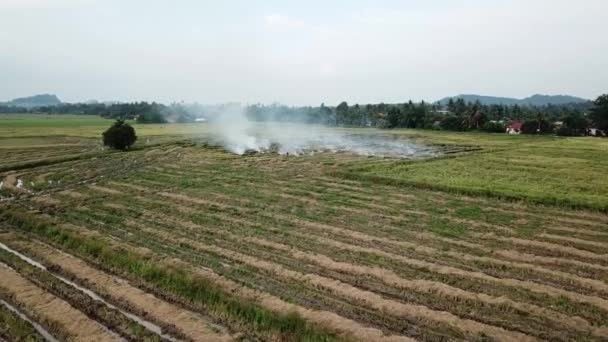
[(569, 171), (505, 238), (83, 126)]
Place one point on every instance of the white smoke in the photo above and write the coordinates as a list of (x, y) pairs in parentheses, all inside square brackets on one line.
[(239, 135), (236, 131)]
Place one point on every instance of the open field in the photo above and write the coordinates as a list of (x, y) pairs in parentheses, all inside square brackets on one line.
[(548, 170), (174, 240), (83, 126)]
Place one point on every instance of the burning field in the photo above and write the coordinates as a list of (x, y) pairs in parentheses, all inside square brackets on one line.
[(295, 140), (186, 242)]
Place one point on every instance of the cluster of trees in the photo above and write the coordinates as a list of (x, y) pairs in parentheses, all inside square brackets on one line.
[(143, 112), (455, 115), (599, 112)]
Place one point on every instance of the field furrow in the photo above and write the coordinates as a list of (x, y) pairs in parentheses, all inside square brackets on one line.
[(61, 318), (198, 244)]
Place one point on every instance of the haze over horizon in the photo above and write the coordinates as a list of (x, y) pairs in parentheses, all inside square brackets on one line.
[(301, 54)]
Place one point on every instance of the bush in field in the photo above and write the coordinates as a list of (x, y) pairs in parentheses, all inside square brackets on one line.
[(119, 136), (493, 127)]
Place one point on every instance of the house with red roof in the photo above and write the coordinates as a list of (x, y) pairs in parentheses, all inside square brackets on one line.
[(514, 127)]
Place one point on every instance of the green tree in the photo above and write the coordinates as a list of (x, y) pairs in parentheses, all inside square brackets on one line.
[(476, 120), (119, 136), (326, 115), (599, 112), (538, 126), (451, 106), (453, 123), (342, 113), (493, 127), (394, 117), (574, 124), (460, 106)]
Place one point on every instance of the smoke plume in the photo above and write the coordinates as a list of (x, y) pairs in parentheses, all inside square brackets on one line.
[(236, 133)]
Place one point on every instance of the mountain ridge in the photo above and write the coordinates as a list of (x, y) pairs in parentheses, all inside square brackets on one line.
[(34, 101), (534, 100)]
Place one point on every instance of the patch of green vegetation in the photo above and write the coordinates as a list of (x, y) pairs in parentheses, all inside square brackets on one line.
[(472, 212), (446, 228), (529, 228), (13, 328), (564, 171), (33, 126)]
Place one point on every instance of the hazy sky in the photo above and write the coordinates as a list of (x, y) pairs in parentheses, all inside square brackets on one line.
[(303, 52)]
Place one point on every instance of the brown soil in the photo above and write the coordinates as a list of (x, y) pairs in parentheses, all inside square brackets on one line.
[(350, 329), (584, 282), (193, 325), (114, 206), (374, 300), (448, 270), (392, 279), (525, 257), (333, 321), (46, 201), (589, 283), (186, 198), (46, 307), (105, 190), (10, 183), (130, 186), (547, 245), (43, 176), (73, 194), (412, 311), (578, 230), (560, 238)]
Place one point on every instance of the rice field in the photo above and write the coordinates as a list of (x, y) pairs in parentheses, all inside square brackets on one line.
[(179, 241)]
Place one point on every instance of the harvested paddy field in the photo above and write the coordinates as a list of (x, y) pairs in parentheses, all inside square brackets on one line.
[(180, 241)]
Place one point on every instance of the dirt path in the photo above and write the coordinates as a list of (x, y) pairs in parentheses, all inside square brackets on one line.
[(191, 324), (49, 308)]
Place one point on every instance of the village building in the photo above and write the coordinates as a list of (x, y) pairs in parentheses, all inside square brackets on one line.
[(514, 128)]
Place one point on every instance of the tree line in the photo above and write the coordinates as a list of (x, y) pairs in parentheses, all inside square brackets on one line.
[(455, 115), (143, 112)]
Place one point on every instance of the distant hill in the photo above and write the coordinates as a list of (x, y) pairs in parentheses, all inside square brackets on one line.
[(534, 100), (35, 101)]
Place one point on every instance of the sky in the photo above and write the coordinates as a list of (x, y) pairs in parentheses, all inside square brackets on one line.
[(301, 52)]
